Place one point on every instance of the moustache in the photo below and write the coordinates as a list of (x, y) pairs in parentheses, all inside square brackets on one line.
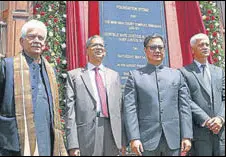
[(157, 54), (36, 44), (205, 50)]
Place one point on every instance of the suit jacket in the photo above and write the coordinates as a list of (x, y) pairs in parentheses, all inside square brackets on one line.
[(204, 104), (1, 81), (80, 115), (156, 101)]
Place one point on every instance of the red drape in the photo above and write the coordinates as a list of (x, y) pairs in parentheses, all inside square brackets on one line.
[(75, 34), (93, 18), (190, 22)]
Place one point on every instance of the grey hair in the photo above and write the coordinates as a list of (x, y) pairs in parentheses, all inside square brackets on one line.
[(148, 38), (33, 24), (88, 43), (196, 37)]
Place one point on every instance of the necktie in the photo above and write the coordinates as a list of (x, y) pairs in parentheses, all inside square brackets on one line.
[(206, 77), (101, 91)]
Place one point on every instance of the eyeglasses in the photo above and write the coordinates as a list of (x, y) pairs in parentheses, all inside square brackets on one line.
[(96, 45), (33, 36), (154, 47), (202, 44)]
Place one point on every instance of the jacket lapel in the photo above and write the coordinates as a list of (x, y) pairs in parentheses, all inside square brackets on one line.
[(199, 77), (213, 76), (86, 79), (108, 79)]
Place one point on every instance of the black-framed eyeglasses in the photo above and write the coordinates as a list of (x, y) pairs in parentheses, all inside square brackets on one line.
[(154, 47), (96, 45)]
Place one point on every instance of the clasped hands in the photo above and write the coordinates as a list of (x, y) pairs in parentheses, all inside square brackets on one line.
[(214, 124)]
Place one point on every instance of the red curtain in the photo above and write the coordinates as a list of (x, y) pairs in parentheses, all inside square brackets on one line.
[(189, 22), (75, 34), (93, 18)]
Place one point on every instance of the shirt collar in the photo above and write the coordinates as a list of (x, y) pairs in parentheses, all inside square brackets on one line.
[(91, 66), (160, 66), (199, 64), (30, 60)]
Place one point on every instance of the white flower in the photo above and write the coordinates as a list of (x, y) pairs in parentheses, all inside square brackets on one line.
[(219, 46), (204, 17), (52, 54), (51, 34), (49, 21), (38, 16), (52, 64), (216, 24), (63, 29), (213, 4), (219, 58), (208, 29), (218, 35), (64, 15), (214, 10), (63, 45), (64, 62), (211, 37), (214, 44), (64, 75), (201, 6), (50, 9)]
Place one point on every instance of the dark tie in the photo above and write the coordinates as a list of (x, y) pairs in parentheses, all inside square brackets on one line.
[(206, 78), (101, 91)]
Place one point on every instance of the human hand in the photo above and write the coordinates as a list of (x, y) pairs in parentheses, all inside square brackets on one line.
[(123, 151), (136, 147), (185, 145), (74, 152), (205, 123), (214, 124)]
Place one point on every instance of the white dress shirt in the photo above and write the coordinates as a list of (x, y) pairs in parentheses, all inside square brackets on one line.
[(201, 69), (91, 72)]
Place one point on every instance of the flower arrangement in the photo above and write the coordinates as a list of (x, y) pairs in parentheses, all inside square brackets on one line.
[(211, 18), (53, 15)]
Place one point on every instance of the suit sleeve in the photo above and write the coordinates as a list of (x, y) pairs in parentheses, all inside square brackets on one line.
[(221, 112), (198, 114), (130, 109), (70, 115), (2, 78), (185, 110), (124, 140)]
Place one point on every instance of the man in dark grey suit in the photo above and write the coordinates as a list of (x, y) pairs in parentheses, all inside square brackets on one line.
[(156, 110), (92, 128), (207, 88)]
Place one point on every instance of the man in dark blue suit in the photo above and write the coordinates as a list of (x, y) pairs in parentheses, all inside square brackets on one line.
[(157, 113), (29, 117), (206, 83)]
